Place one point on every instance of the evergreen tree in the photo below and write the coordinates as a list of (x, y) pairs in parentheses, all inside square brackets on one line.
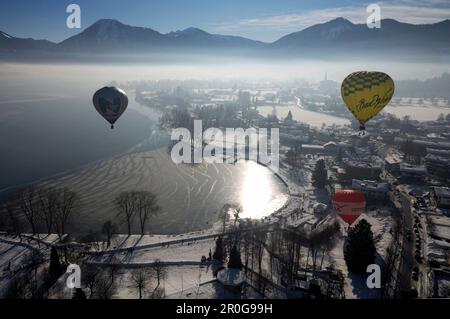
[(289, 117), (79, 294), (339, 155), (218, 252), (360, 250), (447, 117), (235, 259), (55, 265), (319, 175)]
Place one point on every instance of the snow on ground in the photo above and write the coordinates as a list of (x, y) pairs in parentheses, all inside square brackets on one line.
[(12, 258), (441, 231), (214, 290), (438, 241), (440, 225), (29, 239), (15, 254), (119, 242), (355, 285), (182, 252), (179, 279)]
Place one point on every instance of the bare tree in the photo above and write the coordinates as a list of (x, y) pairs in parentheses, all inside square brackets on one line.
[(224, 216), (29, 205), (91, 278), (36, 259), (146, 206), (109, 229), (160, 271), (105, 288), (11, 218), (158, 293), (140, 278), (101, 284), (114, 265), (126, 205), (246, 246), (235, 209), (18, 287), (260, 236), (65, 205), (48, 200)]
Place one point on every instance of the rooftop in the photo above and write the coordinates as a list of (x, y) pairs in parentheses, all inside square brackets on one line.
[(362, 164), (413, 169), (312, 146), (393, 159), (442, 191), (370, 185), (438, 152)]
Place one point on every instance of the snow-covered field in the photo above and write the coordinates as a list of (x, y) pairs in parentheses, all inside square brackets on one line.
[(15, 255), (173, 253)]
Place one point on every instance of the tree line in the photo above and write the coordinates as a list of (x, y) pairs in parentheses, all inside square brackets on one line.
[(50, 209), (47, 207), (276, 254)]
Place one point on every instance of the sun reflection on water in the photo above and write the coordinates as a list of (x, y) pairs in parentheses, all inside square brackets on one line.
[(257, 192)]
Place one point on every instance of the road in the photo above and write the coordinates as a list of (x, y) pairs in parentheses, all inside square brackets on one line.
[(403, 202), (407, 254)]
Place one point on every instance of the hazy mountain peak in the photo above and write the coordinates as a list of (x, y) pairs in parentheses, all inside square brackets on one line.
[(109, 35), (191, 31), (105, 28), (337, 35), (330, 30), (107, 22), (339, 21), (325, 31)]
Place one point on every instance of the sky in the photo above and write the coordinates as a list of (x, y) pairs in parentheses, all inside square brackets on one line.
[(265, 20)]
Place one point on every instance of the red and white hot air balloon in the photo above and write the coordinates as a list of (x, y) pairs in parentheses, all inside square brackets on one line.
[(349, 204)]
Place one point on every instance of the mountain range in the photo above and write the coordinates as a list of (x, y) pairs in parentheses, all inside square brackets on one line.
[(335, 37)]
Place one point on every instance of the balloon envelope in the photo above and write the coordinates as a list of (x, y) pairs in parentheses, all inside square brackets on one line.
[(349, 204), (110, 102), (367, 93)]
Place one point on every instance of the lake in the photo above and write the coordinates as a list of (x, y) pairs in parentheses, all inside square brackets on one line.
[(314, 119), (190, 195), (51, 133)]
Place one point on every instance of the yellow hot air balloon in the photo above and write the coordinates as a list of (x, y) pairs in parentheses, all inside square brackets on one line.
[(366, 94)]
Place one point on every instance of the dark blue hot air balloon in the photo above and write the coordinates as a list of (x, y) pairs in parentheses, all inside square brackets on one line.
[(110, 102)]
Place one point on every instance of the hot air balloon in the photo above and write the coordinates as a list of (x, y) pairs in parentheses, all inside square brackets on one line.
[(110, 102), (349, 204), (366, 94)]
